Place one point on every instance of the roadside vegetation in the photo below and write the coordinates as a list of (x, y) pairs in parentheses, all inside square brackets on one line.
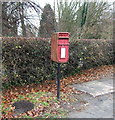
[(27, 70)]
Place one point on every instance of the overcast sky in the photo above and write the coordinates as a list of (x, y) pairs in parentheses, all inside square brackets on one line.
[(44, 2)]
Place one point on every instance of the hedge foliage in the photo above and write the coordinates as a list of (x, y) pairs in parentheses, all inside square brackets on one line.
[(27, 60)]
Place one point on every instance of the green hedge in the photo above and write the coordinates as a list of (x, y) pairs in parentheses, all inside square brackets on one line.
[(27, 60)]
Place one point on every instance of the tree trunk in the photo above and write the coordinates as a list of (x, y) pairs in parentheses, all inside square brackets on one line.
[(22, 21)]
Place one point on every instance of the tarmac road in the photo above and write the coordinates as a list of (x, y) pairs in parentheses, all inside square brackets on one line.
[(98, 99)]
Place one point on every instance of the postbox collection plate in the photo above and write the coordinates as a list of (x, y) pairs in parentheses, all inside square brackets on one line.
[(63, 52)]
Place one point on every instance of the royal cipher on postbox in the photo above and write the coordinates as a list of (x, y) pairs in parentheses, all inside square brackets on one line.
[(60, 47)]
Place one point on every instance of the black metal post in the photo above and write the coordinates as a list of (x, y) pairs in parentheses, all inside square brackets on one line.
[(58, 81)]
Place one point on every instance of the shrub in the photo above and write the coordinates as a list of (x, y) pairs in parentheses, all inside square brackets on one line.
[(27, 60)]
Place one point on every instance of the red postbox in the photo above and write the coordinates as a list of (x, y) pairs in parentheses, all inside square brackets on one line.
[(60, 47)]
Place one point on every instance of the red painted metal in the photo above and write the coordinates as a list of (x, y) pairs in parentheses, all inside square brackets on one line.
[(60, 47)]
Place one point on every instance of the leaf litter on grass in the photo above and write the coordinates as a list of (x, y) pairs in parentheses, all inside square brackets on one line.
[(44, 95)]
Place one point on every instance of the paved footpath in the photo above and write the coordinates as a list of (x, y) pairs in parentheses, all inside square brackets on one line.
[(98, 97)]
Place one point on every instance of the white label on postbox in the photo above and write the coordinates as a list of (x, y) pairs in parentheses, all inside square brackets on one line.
[(63, 52)]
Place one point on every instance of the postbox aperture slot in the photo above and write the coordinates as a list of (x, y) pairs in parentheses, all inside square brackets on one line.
[(63, 38), (63, 41)]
